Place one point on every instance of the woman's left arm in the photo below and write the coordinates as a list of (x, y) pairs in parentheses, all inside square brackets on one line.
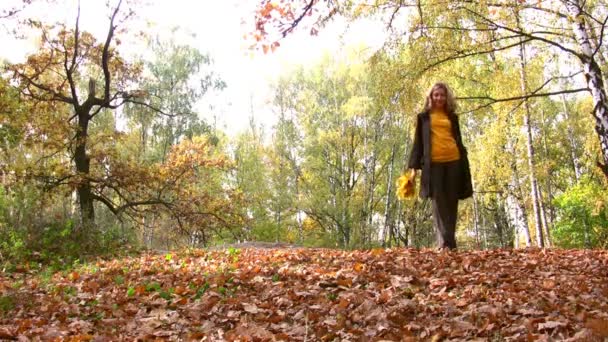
[(458, 133)]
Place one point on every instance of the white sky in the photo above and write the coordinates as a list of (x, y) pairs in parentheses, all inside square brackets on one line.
[(217, 26)]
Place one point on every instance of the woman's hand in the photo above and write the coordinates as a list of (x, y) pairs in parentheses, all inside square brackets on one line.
[(413, 173)]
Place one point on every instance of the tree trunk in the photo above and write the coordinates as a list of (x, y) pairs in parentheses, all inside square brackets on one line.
[(476, 220), (510, 223), (389, 193), (544, 203), (278, 218), (573, 157), (530, 148), (587, 235), (299, 214), (484, 232), (83, 163), (369, 166), (593, 75), (517, 211), (600, 53), (547, 222)]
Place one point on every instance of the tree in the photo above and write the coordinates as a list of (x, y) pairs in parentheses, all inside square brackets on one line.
[(83, 151), (583, 216), (177, 77), (52, 77), (250, 179), (284, 176)]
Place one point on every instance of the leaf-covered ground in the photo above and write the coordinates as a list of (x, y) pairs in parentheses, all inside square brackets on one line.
[(317, 295)]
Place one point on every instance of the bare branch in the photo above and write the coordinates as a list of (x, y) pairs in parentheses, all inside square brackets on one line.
[(69, 71), (552, 31), (394, 14), (515, 98), (469, 54), (307, 9), (454, 28), (524, 34), (514, 4), (52, 182), (106, 55), (56, 95), (147, 105), (126, 206), (107, 203), (599, 44)]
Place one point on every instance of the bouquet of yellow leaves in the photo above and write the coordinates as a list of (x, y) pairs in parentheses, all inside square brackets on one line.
[(405, 185)]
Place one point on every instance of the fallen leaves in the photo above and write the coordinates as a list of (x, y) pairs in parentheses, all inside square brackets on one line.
[(318, 294)]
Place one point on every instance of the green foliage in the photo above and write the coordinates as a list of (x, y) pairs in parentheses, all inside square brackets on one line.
[(234, 253), (7, 303), (582, 216), (51, 237), (153, 287), (201, 290), (57, 244), (119, 280), (167, 295)]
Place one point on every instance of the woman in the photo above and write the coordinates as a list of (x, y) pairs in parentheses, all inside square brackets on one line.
[(438, 151)]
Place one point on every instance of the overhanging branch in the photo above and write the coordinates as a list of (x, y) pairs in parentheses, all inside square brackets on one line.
[(515, 98), (307, 9)]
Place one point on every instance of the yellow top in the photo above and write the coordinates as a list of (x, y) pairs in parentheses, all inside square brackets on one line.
[(443, 143)]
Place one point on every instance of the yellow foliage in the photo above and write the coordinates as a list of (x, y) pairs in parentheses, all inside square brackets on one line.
[(405, 185), (309, 225)]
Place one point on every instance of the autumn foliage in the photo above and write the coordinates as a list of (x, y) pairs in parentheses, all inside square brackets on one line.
[(275, 20), (317, 294)]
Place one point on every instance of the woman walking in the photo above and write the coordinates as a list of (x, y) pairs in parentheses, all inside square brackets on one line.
[(439, 152)]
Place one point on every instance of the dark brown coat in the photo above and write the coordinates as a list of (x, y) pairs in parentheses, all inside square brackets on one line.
[(420, 156)]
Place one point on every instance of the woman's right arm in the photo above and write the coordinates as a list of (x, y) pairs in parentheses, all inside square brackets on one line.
[(415, 161)]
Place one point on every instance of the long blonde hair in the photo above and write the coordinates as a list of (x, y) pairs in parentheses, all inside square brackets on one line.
[(450, 102)]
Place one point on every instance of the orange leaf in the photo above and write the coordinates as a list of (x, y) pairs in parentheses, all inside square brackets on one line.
[(180, 290), (345, 282), (275, 318), (140, 290), (359, 267), (384, 297), (548, 284), (377, 251), (93, 286)]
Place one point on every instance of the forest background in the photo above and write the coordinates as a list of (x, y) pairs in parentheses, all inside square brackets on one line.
[(103, 149)]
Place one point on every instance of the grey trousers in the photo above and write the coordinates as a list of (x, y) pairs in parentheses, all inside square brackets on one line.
[(444, 195)]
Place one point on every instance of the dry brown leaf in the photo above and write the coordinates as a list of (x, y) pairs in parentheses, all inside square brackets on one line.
[(250, 308), (550, 325), (598, 326)]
